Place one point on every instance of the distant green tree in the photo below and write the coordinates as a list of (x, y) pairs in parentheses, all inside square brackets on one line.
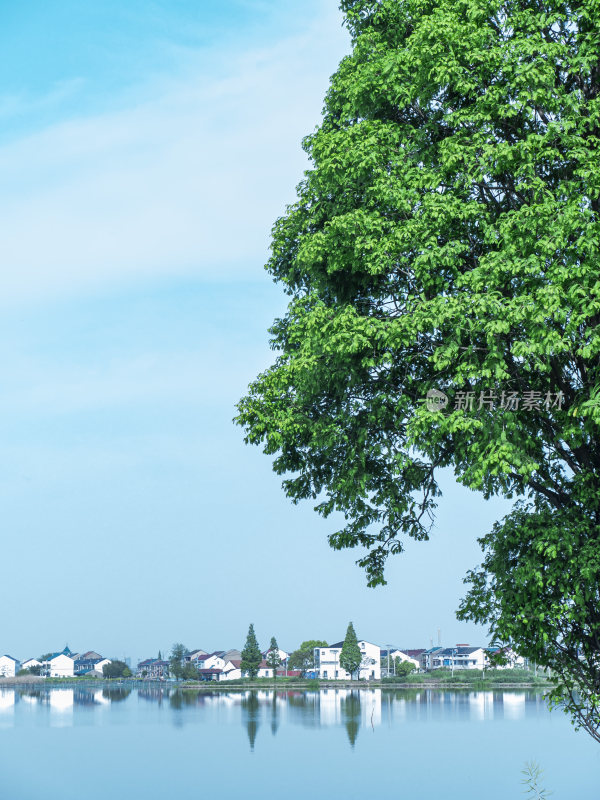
[(404, 668), (35, 670), (45, 657), (160, 658), (189, 671), (251, 655), (304, 657), (176, 660), (116, 669), (273, 658), (350, 657)]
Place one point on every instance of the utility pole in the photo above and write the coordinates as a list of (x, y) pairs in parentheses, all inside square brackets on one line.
[(388, 654)]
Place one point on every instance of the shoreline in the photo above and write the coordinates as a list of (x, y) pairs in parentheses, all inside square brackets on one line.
[(267, 684)]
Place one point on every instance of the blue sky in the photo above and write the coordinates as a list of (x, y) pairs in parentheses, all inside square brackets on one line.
[(146, 150)]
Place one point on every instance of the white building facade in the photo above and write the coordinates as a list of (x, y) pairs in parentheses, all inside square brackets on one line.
[(9, 666), (31, 662), (59, 665), (327, 663)]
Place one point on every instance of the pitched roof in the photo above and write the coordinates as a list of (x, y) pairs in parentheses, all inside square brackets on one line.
[(459, 651), (11, 658), (90, 654)]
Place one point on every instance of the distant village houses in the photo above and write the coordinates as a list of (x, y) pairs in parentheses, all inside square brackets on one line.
[(226, 665)]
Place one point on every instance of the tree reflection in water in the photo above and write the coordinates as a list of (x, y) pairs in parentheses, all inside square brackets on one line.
[(350, 708), (250, 716), (116, 695), (274, 714)]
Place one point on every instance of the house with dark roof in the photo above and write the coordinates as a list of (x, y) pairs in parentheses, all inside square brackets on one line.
[(9, 666), (153, 669), (59, 665), (85, 666), (192, 655), (461, 656), (213, 660)]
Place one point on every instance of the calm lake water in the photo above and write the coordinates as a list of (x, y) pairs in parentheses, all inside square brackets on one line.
[(107, 744)]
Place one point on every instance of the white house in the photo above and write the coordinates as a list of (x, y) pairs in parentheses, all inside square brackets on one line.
[(461, 656), (397, 655), (231, 671), (59, 665), (283, 656), (209, 661), (510, 659), (327, 662), (264, 670), (31, 662), (9, 666), (87, 666), (193, 655)]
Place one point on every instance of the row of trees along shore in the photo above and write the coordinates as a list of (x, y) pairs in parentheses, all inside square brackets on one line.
[(302, 659), (445, 243)]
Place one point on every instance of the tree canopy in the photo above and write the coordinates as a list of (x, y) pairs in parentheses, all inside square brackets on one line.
[(441, 261), (176, 660), (350, 657), (273, 658), (251, 655), (304, 657), (116, 669)]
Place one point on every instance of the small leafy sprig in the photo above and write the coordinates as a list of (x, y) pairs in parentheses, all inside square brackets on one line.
[(532, 778)]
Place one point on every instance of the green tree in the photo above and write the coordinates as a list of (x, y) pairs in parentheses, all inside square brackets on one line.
[(350, 657), (445, 243), (539, 591), (404, 668), (116, 669), (251, 655), (176, 660), (189, 671), (273, 658), (304, 657)]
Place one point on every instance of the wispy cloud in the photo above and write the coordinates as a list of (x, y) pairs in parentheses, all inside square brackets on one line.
[(186, 180)]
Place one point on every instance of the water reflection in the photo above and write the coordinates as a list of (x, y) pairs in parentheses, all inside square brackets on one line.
[(250, 715), (349, 709)]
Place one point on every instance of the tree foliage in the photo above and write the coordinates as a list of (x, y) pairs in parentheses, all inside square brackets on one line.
[(273, 658), (446, 239), (403, 668), (176, 660), (251, 655), (350, 657), (304, 657), (116, 669), (539, 590), (189, 671)]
